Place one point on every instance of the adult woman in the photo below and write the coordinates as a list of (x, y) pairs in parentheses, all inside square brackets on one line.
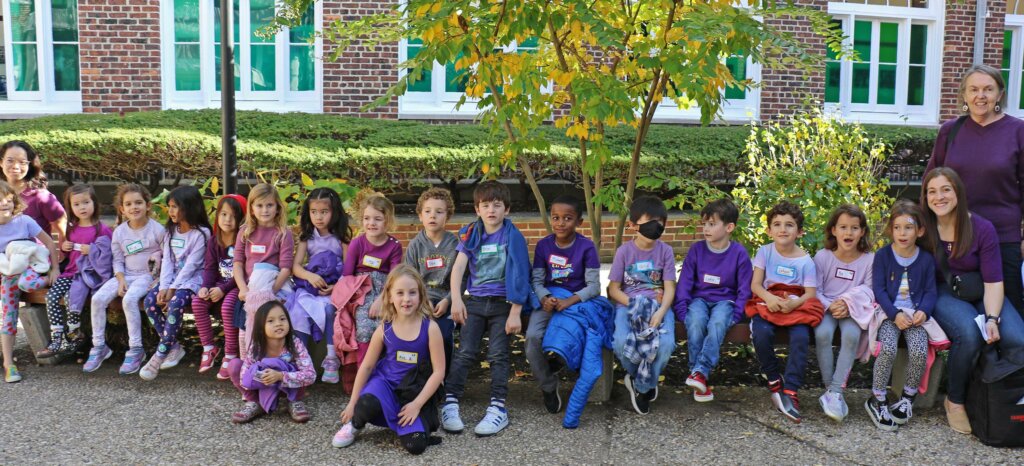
[(22, 170), (970, 245), (987, 150)]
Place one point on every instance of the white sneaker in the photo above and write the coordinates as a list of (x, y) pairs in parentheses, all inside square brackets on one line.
[(493, 422), (152, 368), (345, 436), (833, 405), (450, 419), (173, 357)]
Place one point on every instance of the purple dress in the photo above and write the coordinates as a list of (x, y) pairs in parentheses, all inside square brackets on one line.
[(400, 356)]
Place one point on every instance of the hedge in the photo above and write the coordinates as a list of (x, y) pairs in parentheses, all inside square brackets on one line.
[(386, 154)]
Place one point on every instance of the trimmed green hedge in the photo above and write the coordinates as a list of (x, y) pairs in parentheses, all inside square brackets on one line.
[(386, 154)]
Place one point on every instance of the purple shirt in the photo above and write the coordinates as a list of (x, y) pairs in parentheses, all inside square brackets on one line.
[(21, 226), (779, 269), (82, 235), (364, 257), (836, 277), (183, 255), (643, 272), (565, 268), (983, 255), (218, 266), (714, 276), (265, 245), (42, 206), (487, 264), (990, 160)]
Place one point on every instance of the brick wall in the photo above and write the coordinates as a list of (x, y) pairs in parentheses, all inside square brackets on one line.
[(958, 48), (359, 76), (120, 55), (783, 90)]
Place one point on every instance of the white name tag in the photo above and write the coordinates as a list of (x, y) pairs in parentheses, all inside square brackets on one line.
[(134, 247), (178, 243), (76, 247), (407, 357), (845, 274), (436, 263), (231, 252), (644, 266), (489, 248), (372, 262), (785, 271), (560, 261), (257, 248), (712, 279)]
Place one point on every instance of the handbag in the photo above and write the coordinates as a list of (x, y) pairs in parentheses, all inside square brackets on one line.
[(995, 398), (969, 286)]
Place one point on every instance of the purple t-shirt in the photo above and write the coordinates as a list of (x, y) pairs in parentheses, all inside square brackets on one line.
[(643, 272), (990, 161), (983, 255), (82, 235), (487, 264), (836, 277), (566, 268), (364, 257), (21, 226), (779, 269), (42, 207)]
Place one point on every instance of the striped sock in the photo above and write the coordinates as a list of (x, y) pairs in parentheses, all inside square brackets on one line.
[(449, 398), (498, 403)]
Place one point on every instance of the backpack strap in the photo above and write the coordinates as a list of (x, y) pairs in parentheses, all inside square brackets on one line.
[(952, 132)]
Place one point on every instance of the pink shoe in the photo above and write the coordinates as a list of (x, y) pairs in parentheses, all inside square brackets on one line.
[(209, 357), (223, 373)]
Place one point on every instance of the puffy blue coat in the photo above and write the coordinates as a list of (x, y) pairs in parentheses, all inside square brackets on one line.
[(578, 334)]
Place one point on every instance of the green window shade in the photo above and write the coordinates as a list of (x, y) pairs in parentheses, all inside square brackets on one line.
[(64, 27), (303, 32), (862, 39), (455, 80), (887, 52), (918, 57), (738, 67), (186, 21), (186, 67), (24, 51), (216, 21), (65, 67), (889, 34), (64, 19), (302, 59), (861, 80), (263, 62), (833, 72), (23, 20), (216, 67), (887, 84), (234, 50), (424, 83), (261, 15), (26, 67)]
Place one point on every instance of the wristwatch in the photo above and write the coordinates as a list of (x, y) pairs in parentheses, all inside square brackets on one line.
[(989, 317)]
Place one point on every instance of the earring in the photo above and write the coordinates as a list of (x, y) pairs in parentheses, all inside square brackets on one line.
[(998, 108), (965, 108)]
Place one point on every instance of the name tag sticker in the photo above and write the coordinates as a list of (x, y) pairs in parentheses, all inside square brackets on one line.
[(785, 271), (178, 243), (435, 263), (257, 248), (560, 261), (407, 357), (76, 247), (134, 247), (845, 274), (372, 262), (489, 248), (712, 279), (644, 266), (231, 252)]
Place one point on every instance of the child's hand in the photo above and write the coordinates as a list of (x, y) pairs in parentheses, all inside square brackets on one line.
[(375, 308), (838, 309), (51, 277), (317, 281), (409, 414), (204, 293), (549, 303), (902, 321), (122, 287), (270, 376), (216, 294), (242, 294), (441, 307), (67, 246), (513, 325), (163, 297), (919, 318), (458, 311), (327, 291), (346, 415), (563, 304), (774, 303), (84, 249), (656, 320)]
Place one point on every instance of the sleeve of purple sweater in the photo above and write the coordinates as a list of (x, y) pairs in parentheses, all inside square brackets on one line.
[(745, 274), (684, 287), (211, 264)]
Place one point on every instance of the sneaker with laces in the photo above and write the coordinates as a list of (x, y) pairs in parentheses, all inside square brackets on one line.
[(704, 396), (331, 366), (641, 404), (493, 422), (224, 373), (96, 357), (297, 410), (697, 381), (209, 359), (902, 410), (173, 357), (552, 401), (834, 406), (152, 368), (450, 420), (11, 375), (788, 404), (879, 414), (132, 360), (345, 436), (250, 411)]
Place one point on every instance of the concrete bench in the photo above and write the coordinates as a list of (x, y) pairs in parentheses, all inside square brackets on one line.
[(36, 324)]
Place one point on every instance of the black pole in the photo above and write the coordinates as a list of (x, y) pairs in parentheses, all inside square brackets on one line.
[(227, 99)]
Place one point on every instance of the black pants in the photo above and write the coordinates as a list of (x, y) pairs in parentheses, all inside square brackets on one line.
[(368, 407), (1010, 253)]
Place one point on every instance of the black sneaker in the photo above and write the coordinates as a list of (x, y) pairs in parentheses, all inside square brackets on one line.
[(788, 404), (879, 414), (640, 402), (901, 411), (555, 362), (552, 401), (55, 348)]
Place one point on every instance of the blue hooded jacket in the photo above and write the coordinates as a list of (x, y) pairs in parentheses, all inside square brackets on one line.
[(517, 266)]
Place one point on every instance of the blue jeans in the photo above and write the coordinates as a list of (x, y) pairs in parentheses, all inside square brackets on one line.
[(956, 317), (763, 334), (666, 344), (706, 324)]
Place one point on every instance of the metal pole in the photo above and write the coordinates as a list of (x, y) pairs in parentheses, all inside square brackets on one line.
[(227, 99), (979, 32)]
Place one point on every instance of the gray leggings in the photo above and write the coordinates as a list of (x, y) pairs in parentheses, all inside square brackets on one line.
[(835, 371), (917, 349)]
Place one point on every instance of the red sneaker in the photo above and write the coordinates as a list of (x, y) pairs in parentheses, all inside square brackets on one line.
[(209, 358), (223, 373), (704, 396), (697, 381)]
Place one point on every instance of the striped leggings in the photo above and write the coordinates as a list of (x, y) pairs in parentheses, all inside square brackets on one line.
[(201, 312)]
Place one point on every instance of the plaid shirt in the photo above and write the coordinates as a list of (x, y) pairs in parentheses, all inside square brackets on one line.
[(642, 341)]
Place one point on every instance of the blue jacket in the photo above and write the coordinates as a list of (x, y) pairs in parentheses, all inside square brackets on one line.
[(517, 266), (578, 335), (886, 274)]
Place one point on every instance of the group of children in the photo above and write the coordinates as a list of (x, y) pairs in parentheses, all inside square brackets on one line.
[(392, 315)]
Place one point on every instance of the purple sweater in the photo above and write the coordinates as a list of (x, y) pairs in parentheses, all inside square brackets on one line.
[(218, 265), (990, 160), (983, 256), (714, 277)]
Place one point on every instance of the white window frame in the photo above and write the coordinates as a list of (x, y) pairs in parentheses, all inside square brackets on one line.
[(1013, 84), (732, 110), (47, 100), (899, 113), (281, 99)]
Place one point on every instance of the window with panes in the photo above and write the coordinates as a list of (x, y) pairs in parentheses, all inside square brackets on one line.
[(1012, 65), (41, 53)]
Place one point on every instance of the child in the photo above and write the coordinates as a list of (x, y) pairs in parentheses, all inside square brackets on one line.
[(904, 286), (264, 253), (432, 253), (495, 253), (714, 285), (219, 285), (844, 281), (323, 238), (136, 250), (184, 249), (643, 291), (567, 260), (276, 364), (79, 240), (15, 226), (398, 391), (375, 252), (784, 288)]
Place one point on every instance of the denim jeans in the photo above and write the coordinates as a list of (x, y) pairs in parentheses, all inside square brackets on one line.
[(763, 334), (956, 317), (706, 324), (483, 315), (835, 370), (666, 344)]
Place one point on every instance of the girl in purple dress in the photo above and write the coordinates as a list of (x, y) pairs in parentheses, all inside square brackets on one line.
[(398, 381)]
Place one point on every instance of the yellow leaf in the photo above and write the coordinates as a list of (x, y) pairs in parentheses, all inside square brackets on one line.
[(435, 7), (215, 185), (485, 365), (563, 79), (306, 180), (485, 168), (661, 378), (422, 10)]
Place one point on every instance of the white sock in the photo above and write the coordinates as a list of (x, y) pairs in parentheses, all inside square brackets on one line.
[(207, 347)]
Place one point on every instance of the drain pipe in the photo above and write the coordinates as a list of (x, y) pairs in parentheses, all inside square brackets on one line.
[(979, 31)]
